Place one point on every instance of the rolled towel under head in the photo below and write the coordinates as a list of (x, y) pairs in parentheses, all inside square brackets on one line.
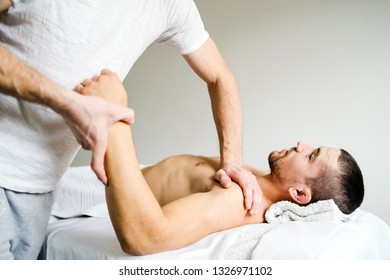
[(286, 211)]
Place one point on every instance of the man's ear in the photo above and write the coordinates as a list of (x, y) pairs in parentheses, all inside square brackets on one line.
[(5, 4), (300, 194)]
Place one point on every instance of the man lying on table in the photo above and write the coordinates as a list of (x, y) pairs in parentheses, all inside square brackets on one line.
[(177, 201)]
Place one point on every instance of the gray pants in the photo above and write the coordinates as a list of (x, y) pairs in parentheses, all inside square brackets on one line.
[(23, 221)]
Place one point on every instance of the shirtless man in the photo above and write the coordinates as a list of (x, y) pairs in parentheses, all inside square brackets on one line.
[(177, 201)]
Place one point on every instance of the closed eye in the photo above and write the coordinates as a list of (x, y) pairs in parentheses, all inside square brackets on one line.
[(315, 153)]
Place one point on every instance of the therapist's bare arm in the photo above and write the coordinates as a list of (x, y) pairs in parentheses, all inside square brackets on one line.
[(208, 63), (88, 117)]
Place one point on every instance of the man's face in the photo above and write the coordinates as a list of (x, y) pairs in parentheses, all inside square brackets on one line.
[(291, 166)]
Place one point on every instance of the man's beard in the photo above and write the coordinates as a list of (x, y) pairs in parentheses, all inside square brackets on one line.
[(275, 165)]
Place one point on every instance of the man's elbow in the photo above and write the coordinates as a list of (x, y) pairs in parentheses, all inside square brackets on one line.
[(130, 249), (146, 244)]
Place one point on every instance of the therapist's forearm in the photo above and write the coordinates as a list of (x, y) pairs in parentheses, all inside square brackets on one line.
[(227, 112), (21, 81)]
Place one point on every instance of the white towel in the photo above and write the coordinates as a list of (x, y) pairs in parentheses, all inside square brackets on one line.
[(286, 211), (243, 245), (80, 193), (279, 213)]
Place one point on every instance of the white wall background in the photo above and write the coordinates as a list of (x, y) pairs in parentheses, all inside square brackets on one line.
[(311, 70)]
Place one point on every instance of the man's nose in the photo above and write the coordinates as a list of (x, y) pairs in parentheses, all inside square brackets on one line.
[(302, 145)]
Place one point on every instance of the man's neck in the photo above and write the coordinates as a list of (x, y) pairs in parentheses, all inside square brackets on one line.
[(271, 191)]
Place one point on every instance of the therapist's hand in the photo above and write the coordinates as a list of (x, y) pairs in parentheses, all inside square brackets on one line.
[(90, 118), (107, 98), (246, 180)]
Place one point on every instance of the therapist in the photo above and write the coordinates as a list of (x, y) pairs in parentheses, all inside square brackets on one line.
[(46, 47)]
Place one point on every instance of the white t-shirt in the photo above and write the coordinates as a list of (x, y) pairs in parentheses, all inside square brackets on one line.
[(69, 41)]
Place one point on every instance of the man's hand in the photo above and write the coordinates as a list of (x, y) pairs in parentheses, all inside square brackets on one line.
[(107, 85), (246, 180), (90, 117)]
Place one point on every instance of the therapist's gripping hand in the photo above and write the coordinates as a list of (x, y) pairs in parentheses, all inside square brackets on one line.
[(90, 119), (246, 180)]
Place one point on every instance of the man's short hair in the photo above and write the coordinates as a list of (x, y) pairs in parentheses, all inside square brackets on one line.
[(344, 184)]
